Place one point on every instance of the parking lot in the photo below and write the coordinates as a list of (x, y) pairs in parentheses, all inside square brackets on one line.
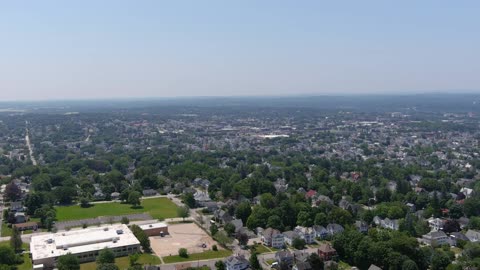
[(187, 235)]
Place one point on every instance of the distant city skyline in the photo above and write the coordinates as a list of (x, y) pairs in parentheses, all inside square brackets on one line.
[(123, 49)]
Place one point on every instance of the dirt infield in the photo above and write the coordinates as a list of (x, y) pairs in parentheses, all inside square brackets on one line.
[(187, 235)]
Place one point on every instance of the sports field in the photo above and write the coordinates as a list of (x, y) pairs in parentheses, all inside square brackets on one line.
[(159, 208)]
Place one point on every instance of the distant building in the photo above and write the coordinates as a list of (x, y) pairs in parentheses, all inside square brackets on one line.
[(155, 229), (435, 239), (272, 238), (306, 233), (26, 226), (473, 236), (327, 252), (149, 192), (236, 262), (84, 244)]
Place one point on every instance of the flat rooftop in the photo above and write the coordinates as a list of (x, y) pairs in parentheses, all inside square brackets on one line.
[(81, 241), (153, 226)]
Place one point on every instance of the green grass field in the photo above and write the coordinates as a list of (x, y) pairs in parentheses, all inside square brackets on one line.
[(124, 262), (6, 231), (261, 249), (159, 208), (209, 254)]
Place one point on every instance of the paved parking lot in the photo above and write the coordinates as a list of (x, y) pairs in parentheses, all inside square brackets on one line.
[(187, 235)]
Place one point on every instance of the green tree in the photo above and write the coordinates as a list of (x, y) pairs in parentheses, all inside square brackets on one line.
[(242, 239), (12, 192), (304, 218), (243, 211), (105, 256), (229, 228), (133, 259), (298, 243), (275, 222), (315, 261), (219, 265), (321, 219), (125, 220), (189, 200), (7, 255), (68, 262), (254, 263), (440, 260), (134, 198), (16, 239), (84, 202), (142, 237), (183, 212), (409, 265), (182, 252), (213, 229)]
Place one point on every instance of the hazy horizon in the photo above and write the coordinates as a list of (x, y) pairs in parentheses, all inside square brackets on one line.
[(56, 50)]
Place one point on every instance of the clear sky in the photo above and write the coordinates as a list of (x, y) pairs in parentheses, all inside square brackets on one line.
[(116, 49)]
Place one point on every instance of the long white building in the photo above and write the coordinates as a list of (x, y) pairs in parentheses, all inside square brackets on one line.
[(85, 244)]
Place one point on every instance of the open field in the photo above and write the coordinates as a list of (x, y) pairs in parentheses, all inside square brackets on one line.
[(159, 208), (209, 254), (123, 262), (185, 235)]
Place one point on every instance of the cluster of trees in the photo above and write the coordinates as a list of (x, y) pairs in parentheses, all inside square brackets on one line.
[(10, 256), (105, 261), (284, 212)]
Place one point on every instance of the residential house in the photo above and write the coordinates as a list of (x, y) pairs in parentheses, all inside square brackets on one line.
[(16, 207), (201, 197), (289, 236), (26, 226), (317, 200), (302, 266), (284, 257), (211, 206), (203, 183), (463, 221), (300, 256), (320, 231), (346, 205), (149, 192), (436, 224), (115, 195), (327, 252), (468, 192), (20, 217), (457, 236), (473, 236), (238, 223), (236, 262), (222, 216), (306, 233), (310, 194), (361, 226), (386, 223), (435, 238), (374, 267), (272, 238), (334, 228)]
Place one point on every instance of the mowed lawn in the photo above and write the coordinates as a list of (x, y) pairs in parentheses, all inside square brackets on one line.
[(209, 254), (159, 208), (124, 262)]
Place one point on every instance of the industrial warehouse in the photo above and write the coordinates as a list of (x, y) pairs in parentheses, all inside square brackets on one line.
[(84, 243)]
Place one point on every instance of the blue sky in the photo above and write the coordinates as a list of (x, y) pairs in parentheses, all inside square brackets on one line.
[(117, 49)]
